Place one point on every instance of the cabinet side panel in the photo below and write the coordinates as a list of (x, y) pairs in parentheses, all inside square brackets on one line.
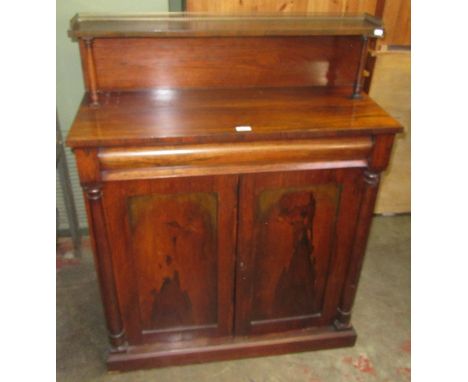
[(143, 63)]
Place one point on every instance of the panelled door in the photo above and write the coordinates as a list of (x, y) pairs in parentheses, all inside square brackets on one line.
[(173, 246), (295, 229)]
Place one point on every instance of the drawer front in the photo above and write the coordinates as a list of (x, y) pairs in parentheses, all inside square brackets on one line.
[(233, 158)]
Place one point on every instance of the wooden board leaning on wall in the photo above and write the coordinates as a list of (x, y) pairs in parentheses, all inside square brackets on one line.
[(396, 13)]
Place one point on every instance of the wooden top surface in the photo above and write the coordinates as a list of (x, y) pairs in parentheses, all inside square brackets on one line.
[(171, 116), (182, 24)]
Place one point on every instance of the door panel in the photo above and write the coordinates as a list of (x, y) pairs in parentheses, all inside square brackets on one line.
[(174, 246), (289, 258), (291, 237), (175, 261)]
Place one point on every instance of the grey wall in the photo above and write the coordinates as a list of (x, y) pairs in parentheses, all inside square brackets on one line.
[(69, 83)]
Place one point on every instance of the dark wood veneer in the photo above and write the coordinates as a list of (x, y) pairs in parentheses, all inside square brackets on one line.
[(221, 349), (212, 243), (141, 63), (174, 116)]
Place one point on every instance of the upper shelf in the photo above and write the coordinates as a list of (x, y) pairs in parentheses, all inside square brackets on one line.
[(183, 24)]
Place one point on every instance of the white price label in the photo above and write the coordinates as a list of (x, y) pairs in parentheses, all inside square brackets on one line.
[(378, 32), (243, 128)]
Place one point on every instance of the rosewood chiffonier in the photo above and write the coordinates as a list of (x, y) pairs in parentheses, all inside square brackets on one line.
[(230, 166)]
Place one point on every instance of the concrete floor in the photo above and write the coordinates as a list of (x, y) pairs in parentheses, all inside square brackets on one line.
[(381, 317)]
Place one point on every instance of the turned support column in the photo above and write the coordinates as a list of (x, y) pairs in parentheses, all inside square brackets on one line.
[(91, 70), (371, 183), (104, 267), (377, 162), (362, 61)]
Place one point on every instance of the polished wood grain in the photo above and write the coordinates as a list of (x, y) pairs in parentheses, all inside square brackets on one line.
[(90, 178), (396, 19), (370, 182), (360, 70), (175, 289), (202, 116), (221, 349), (104, 266), (173, 243), (182, 24), (355, 261), (212, 242), (90, 64), (235, 153), (84, 64), (232, 158), (254, 62), (89, 169), (292, 244), (262, 49)]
